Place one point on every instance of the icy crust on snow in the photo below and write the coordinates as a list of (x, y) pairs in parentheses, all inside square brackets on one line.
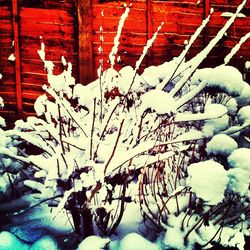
[(221, 144), (226, 78), (208, 180)]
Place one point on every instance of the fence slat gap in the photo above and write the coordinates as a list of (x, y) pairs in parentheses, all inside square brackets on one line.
[(16, 33)]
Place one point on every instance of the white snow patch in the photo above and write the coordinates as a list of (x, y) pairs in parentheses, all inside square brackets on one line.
[(240, 159), (208, 180), (93, 242), (174, 238), (44, 243), (9, 241), (244, 98), (221, 145), (226, 78), (134, 241), (232, 106), (230, 14), (12, 57), (238, 180), (213, 126), (244, 115), (160, 101)]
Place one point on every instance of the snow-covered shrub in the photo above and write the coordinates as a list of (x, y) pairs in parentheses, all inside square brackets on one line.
[(142, 138), (9, 164)]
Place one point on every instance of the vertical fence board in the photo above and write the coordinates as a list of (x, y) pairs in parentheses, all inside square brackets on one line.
[(84, 12), (16, 29), (150, 21)]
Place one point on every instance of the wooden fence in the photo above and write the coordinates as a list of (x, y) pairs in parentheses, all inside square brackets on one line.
[(71, 28)]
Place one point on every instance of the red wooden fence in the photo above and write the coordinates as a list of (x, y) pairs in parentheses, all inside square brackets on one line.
[(71, 28)]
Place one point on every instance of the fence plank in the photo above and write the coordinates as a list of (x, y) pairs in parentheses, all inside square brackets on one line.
[(16, 28), (84, 12)]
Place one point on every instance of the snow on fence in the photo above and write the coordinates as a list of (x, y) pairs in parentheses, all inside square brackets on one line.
[(71, 29)]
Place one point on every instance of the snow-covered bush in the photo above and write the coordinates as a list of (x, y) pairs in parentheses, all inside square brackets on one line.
[(142, 138), (9, 164)]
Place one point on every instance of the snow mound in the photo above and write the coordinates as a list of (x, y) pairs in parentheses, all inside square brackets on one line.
[(9, 241), (208, 180), (153, 75), (213, 126), (44, 243), (127, 76), (160, 101), (174, 238), (244, 98), (240, 159), (93, 242), (227, 78), (244, 115), (221, 145), (232, 106), (238, 181), (134, 241)]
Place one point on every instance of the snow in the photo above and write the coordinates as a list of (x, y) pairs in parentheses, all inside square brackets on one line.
[(226, 78), (230, 14), (12, 57), (198, 59), (174, 238), (208, 180), (147, 46), (85, 93), (238, 181), (1, 103), (213, 126), (2, 122), (240, 159), (44, 243), (236, 48), (232, 106), (114, 50), (232, 238), (247, 65), (39, 105), (159, 101), (134, 241), (239, 173), (93, 242), (244, 98), (126, 76), (9, 241), (96, 138), (244, 115), (221, 144)]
